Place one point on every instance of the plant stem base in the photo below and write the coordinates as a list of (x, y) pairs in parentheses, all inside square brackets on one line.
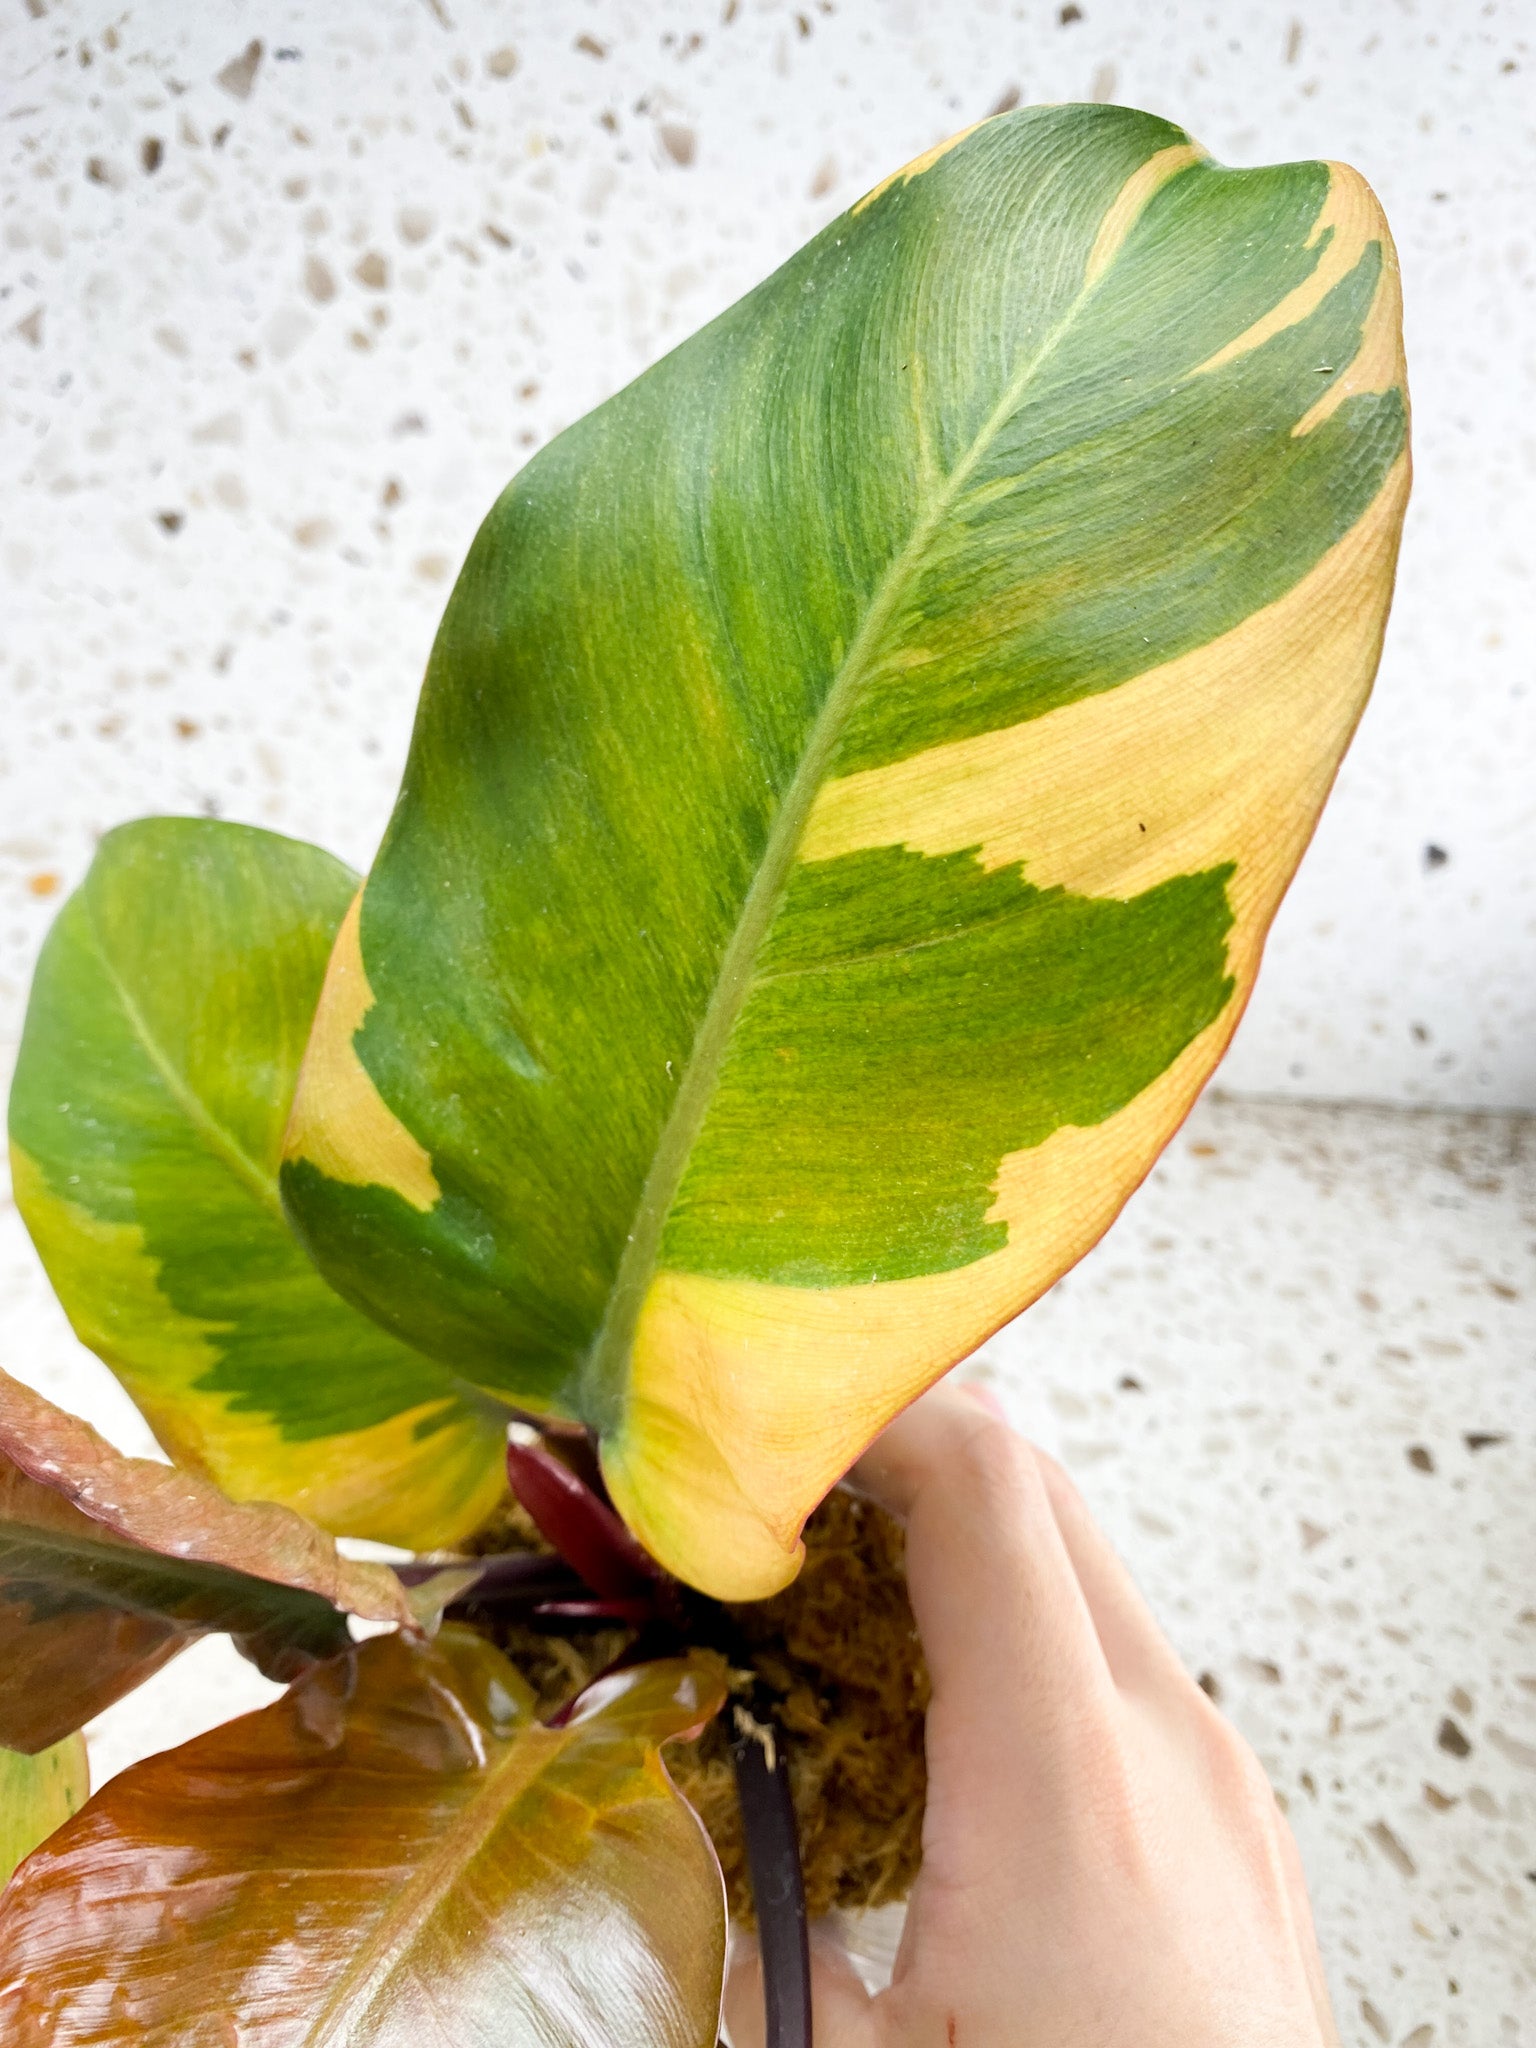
[(837, 1657)]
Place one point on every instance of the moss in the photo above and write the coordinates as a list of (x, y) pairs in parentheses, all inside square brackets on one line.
[(838, 1653), (839, 1656)]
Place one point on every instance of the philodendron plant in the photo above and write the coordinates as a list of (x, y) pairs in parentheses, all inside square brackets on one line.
[(854, 777)]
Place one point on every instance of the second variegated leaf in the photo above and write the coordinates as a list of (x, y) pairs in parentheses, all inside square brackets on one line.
[(162, 1043)]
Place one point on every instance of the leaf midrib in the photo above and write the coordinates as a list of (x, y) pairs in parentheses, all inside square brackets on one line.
[(604, 1369), (221, 1142), (393, 1939)]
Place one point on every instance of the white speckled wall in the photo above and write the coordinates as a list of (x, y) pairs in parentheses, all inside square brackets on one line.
[(289, 290)]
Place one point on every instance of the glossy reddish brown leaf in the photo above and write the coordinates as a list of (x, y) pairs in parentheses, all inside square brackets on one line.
[(392, 1854), (85, 1615), (181, 1515)]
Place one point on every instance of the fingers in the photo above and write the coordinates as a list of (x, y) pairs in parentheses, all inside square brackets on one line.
[(918, 1448), (1010, 1643), (1140, 1656), (841, 2009), (1095, 1831)]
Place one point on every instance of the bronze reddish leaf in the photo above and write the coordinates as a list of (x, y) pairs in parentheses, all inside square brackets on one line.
[(393, 1853)]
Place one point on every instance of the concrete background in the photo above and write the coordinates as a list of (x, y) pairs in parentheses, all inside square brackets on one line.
[(277, 326), (274, 333)]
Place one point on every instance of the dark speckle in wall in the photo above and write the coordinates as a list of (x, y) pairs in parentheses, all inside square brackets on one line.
[(1450, 1738), (239, 74), (1392, 1848), (1264, 1669), (1435, 856)]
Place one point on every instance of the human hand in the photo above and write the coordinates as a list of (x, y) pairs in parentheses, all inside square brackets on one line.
[(1104, 1864)]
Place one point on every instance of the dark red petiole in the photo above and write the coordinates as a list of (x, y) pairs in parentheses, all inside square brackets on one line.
[(633, 1613), (589, 1536)]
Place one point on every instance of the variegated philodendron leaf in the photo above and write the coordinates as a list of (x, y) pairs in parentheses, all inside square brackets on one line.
[(854, 778), (162, 1044)]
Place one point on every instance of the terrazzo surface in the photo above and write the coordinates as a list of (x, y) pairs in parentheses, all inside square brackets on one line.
[(287, 293), (1295, 1383)]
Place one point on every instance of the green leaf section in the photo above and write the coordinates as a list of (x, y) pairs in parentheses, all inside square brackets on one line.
[(168, 1018), (1119, 511), (924, 483), (394, 1853), (896, 979), (37, 1795)]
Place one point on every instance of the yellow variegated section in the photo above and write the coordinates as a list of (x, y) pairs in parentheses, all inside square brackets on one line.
[(340, 1122), (722, 1453), (908, 171), (37, 1795), (1223, 754), (1131, 202), (421, 1477), (1350, 220), (127, 1323)]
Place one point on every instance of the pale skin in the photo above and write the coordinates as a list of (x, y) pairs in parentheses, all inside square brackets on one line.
[(1104, 1864)]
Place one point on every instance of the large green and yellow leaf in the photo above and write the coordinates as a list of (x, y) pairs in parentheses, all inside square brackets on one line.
[(854, 778), (394, 1854), (37, 1795), (162, 1044)]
